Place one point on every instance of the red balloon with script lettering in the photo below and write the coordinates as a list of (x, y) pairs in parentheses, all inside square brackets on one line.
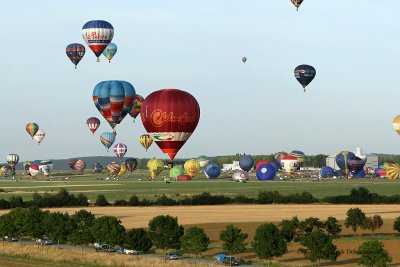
[(170, 116)]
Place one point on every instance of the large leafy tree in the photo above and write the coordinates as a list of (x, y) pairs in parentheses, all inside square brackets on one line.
[(373, 254), (396, 224), (108, 229), (165, 232), (373, 223), (233, 239), (83, 222), (318, 246), (355, 219), (269, 242), (59, 226), (195, 240), (332, 226), (138, 239)]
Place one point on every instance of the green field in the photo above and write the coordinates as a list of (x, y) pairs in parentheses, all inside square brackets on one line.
[(129, 184)]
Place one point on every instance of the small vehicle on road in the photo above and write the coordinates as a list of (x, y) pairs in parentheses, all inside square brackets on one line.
[(171, 256), (103, 248), (43, 241), (227, 260)]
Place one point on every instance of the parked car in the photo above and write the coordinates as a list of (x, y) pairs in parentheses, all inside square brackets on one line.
[(227, 260), (104, 248), (171, 256), (10, 239), (131, 252), (43, 241)]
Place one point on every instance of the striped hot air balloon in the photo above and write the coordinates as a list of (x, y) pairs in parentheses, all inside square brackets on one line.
[(137, 104), (393, 171), (32, 129), (170, 116), (131, 164), (114, 100), (12, 160), (107, 139), (120, 150), (97, 35), (80, 165), (93, 123), (146, 140), (75, 53), (113, 169)]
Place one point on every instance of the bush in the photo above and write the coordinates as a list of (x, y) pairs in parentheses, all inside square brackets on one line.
[(101, 201), (121, 202), (133, 201)]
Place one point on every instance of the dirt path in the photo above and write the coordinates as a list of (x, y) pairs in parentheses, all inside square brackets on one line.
[(133, 217)]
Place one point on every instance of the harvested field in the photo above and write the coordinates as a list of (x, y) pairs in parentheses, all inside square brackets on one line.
[(133, 217)]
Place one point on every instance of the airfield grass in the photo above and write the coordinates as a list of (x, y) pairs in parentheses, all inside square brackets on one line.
[(128, 184)]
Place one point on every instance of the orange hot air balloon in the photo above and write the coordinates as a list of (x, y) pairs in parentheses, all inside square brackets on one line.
[(170, 116)]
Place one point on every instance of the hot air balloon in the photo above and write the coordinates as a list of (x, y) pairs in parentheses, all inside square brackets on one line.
[(71, 163), (93, 123), (393, 171), (327, 172), (184, 177), (146, 140), (342, 159), (278, 157), (212, 170), (97, 35), (137, 104), (240, 176), (244, 59), (299, 155), (260, 162), (176, 171), (192, 167), (131, 164), (97, 168), (46, 166), (113, 169), (32, 128), (170, 116), (122, 171), (75, 52), (266, 172), (289, 163), (246, 162), (39, 136), (114, 99), (360, 174), (203, 160), (80, 165), (12, 160), (297, 3), (396, 123), (304, 74), (107, 139), (155, 167), (355, 165), (34, 169), (110, 51), (26, 165), (120, 150)]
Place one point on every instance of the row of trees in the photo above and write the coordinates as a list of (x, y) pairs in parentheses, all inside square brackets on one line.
[(65, 199), (164, 232)]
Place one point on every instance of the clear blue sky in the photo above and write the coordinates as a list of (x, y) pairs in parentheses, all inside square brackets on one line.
[(197, 46)]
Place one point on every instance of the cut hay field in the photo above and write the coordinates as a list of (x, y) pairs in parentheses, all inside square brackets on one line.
[(129, 184)]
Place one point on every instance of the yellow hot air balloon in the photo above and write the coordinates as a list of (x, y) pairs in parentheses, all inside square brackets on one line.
[(396, 123), (145, 140), (155, 167), (122, 170), (192, 167)]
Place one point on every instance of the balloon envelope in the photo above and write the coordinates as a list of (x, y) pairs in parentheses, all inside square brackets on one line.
[(80, 166), (32, 129), (113, 99), (289, 163), (327, 172), (304, 74), (12, 160), (131, 164), (240, 176), (34, 169), (39, 136), (355, 165), (97, 167), (278, 157), (120, 150), (246, 162), (184, 177), (113, 169), (137, 104), (93, 123), (360, 174), (107, 139), (244, 59), (155, 167), (97, 35), (203, 160), (297, 3), (212, 170), (145, 140), (342, 159), (71, 163), (266, 172), (260, 162), (75, 52), (192, 167), (110, 51), (393, 171), (170, 116), (176, 171)]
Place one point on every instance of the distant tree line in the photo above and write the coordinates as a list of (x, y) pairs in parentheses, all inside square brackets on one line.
[(164, 232), (65, 199)]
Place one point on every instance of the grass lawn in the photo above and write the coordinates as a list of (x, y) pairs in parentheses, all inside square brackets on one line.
[(129, 184)]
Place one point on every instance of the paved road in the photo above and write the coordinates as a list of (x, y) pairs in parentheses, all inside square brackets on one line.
[(191, 260)]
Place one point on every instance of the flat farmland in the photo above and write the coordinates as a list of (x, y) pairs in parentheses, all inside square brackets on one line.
[(129, 184)]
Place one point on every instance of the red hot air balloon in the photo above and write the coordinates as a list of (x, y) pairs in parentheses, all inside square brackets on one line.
[(170, 116), (93, 123)]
